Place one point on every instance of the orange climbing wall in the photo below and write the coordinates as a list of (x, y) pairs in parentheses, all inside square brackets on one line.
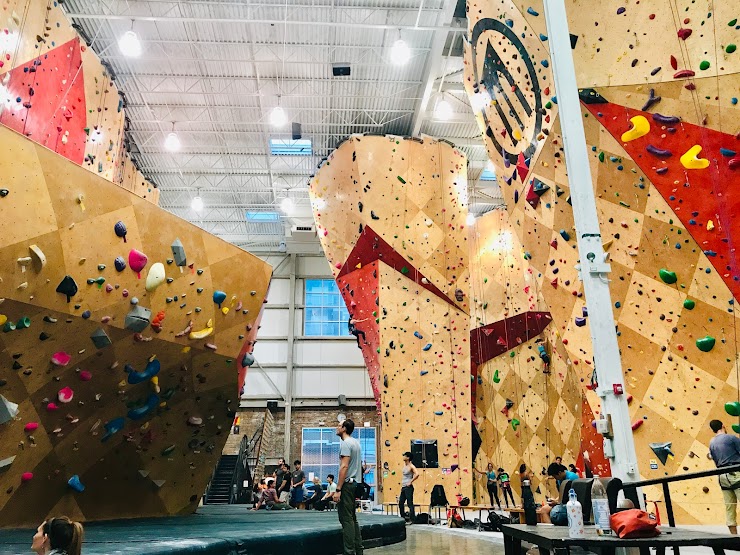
[(544, 419), (166, 430), (674, 64), (54, 90), (391, 218)]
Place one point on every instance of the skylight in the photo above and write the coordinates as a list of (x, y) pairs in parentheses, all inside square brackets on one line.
[(262, 217), (299, 147), (487, 175)]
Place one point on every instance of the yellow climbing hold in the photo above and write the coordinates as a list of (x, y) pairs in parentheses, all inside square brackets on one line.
[(3, 319), (517, 135), (202, 334), (640, 128), (710, 225), (225, 310), (691, 160), (359, 265)]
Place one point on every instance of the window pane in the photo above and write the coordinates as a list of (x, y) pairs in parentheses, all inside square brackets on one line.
[(312, 328), (312, 299), (329, 328), (332, 314), (314, 285)]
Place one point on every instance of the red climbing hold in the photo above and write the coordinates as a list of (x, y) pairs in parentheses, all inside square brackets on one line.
[(674, 62), (683, 34), (637, 423), (684, 73)]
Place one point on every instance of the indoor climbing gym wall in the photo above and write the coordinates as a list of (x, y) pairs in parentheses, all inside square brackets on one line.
[(124, 331), (54, 90), (391, 218), (659, 103), (528, 399)]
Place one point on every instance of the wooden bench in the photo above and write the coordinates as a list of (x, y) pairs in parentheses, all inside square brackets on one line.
[(388, 508), (519, 512)]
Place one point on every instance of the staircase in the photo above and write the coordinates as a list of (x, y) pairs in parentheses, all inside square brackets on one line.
[(219, 491), (264, 446)]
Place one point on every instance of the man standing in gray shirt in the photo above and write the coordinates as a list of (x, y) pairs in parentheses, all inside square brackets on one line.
[(725, 450), (350, 475)]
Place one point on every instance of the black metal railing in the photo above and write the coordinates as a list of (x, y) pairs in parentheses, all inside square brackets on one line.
[(241, 474), (631, 487)]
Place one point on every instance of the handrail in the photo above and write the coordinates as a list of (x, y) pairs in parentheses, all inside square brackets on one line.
[(237, 478), (678, 478)]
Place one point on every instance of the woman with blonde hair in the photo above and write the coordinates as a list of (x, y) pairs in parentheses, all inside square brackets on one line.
[(58, 536)]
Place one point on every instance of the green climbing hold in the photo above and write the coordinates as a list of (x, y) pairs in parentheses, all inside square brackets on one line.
[(736, 428), (512, 354), (496, 377), (730, 48), (704, 65), (688, 304), (402, 180), (667, 276), (732, 23), (732, 408), (404, 270), (602, 156), (515, 424), (705, 343)]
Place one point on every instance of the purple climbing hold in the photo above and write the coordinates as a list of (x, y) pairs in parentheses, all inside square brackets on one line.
[(621, 10), (120, 229), (120, 264), (580, 322)]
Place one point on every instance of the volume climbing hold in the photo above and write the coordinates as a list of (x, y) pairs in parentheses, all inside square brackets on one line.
[(705, 343), (640, 128), (732, 408), (178, 253), (156, 276), (151, 370), (138, 318), (667, 276), (140, 412), (691, 161), (662, 451)]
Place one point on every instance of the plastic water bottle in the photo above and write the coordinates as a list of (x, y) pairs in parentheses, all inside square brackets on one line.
[(600, 508), (530, 509), (575, 516)]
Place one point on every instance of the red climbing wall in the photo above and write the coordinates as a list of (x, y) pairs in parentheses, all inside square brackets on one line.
[(391, 218), (124, 385), (673, 272), (54, 90)]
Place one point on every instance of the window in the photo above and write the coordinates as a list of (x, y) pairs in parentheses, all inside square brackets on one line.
[(262, 217), (299, 147), (487, 175), (320, 452), (325, 313)]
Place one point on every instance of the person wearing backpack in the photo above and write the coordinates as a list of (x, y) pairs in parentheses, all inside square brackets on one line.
[(409, 475)]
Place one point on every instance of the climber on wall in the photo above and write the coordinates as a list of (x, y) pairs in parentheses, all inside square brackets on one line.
[(352, 326)]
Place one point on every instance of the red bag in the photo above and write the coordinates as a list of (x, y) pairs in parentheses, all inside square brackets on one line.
[(634, 523)]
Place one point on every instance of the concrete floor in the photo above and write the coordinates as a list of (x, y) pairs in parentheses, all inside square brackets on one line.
[(437, 540)]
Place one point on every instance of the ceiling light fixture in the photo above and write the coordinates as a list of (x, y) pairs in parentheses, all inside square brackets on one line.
[(172, 142), (470, 220), (277, 116), (287, 205), (129, 44), (197, 204), (400, 53), (443, 109)]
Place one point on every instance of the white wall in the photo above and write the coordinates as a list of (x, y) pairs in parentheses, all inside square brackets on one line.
[(323, 368)]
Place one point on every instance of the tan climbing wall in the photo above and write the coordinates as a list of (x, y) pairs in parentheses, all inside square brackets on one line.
[(544, 419), (673, 64), (143, 443), (54, 90), (391, 217)]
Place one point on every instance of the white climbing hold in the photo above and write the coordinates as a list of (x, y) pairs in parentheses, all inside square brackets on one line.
[(156, 276)]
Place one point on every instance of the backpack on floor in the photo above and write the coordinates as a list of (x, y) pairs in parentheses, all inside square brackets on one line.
[(422, 518), (495, 521)]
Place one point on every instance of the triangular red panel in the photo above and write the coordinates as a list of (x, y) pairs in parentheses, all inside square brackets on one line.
[(695, 195), (370, 246), (592, 442), (53, 85), (359, 290), (492, 340)]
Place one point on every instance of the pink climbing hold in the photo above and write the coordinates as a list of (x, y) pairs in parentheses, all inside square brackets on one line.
[(65, 395), (51, 407), (683, 34), (26, 477), (31, 427), (85, 376), (137, 261), (61, 358)]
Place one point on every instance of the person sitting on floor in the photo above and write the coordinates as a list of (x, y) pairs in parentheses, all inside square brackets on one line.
[(269, 498), (314, 493)]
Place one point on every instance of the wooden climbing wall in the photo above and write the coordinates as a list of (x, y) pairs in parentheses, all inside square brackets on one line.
[(527, 411), (659, 101), (54, 90), (391, 217), (129, 383)]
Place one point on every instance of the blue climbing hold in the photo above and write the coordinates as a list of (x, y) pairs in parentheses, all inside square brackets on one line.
[(424, 372), (438, 412), (545, 63), (417, 334), (531, 11), (219, 297), (543, 38), (75, 483), (151, 370), (427, 347), (565, 235), (113, 427), (151, 403)]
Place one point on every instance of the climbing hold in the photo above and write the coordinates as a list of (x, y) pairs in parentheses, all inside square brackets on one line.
[(138, 318), (688, 304), (151, 370), (565, 235), (120, 229), (691, 161), (75, 483), (662, 451), (202, 334), (659, 152), (23, 323), (8, 410), (705, 343), (60, 359), (156, 276), (248, 360), (26, 477), (219, 297), (31, 427), (640, 128), (426, 347), (149, 405), (732, 408), (112, 427), (418, 335), (704, 65), (667, 276), (496, 378), (178, 253), (119, 263), (85, 376), (65, 395), (580, 321), (137, 260), (38, 257), (67, 287), (515, 423), (4, 192), (637, 423)]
